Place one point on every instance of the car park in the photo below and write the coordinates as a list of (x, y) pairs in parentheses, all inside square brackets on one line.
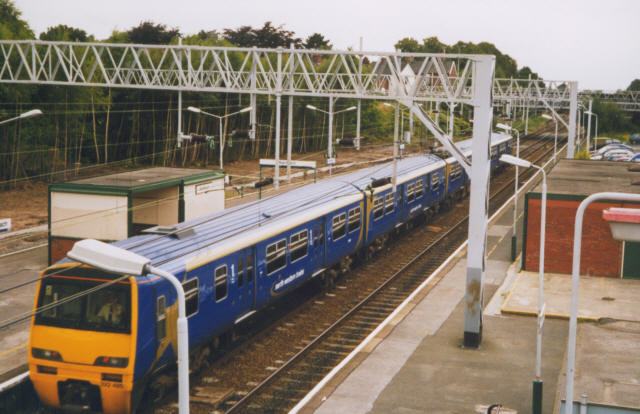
[(616, 154), (634, 138)]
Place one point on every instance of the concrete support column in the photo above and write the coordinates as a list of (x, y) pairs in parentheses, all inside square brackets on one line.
[(573, 110), (479, 204)]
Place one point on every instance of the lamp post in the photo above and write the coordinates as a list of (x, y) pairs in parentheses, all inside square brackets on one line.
[(595, 139), (575, 279), (220, 118), (515, 194), (537, 383), (113, 259), (331, 113), (28, 114), (555, 139)]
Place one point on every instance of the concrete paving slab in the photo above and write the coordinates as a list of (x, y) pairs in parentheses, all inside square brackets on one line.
[(599, 297)]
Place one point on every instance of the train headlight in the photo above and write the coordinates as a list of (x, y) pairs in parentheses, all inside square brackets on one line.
[(46, 354), (107, 361)]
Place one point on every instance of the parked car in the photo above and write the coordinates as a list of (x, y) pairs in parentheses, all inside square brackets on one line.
[(601, 143), (635, 158), (634, 138), (616, 154), (606, 148)]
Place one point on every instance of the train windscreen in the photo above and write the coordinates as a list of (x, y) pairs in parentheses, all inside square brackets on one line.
[(107, 309)]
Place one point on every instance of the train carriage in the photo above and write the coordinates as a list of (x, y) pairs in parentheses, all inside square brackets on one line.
[(101, 349)]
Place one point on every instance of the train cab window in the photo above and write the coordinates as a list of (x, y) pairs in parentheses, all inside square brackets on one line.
[(339, 227), (388, 203), (276, 256), (240, 272), (354, 219), (410, 193), (220, 282), (417, 189), (435, 182), (250, 268), (378, 207), (161, 318), (191, 296), (298, 245)]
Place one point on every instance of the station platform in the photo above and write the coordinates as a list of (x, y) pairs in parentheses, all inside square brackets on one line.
[(417, 364)]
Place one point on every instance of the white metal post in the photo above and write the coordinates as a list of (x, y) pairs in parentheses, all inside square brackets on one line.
[(289, 137), (179, 94), (526, 122), (358, 126), (252, 97), (395, 147), (330, 139), (573, 108), (183, 339), (221, 144), (543, 220), (575, 279), (276, 179), (514, 230), (451, 115), (478, 211), (555, 140)]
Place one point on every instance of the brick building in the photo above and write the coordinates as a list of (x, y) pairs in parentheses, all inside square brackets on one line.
[(570, 182)]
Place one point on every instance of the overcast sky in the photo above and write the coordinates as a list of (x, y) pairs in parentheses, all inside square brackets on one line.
[(596, 42)]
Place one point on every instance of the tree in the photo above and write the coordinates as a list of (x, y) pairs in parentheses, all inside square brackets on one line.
[(267, 36), (65, 33), (11, 25), (317, 41), (150, 33), (634, 85)]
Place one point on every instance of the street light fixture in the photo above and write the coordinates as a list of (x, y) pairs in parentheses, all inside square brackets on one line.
[(595, 140), (331, 113), (515, 194), (28, 114), (220, 118), (537, 383), (555, 139), (113, 259)]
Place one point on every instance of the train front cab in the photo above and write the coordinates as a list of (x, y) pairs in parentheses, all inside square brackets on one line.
[(81, 353)]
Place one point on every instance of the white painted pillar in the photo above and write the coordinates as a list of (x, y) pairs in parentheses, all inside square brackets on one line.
[(276, 179), (573, 109), (479, 204)]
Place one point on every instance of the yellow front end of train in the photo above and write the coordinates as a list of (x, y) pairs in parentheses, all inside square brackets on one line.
[(82, 345)]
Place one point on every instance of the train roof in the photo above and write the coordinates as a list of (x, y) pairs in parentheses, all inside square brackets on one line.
[(250, 220)]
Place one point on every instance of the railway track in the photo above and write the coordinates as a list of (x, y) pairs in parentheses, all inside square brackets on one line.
[(280, 357), (273, 370)]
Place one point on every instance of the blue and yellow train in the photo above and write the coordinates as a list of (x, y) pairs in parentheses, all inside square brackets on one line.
[(101, 350)]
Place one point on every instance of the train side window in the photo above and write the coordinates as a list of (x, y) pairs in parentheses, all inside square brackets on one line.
[(298, 245), (410, 192), (191, 296), (339, 228), (354, 219), (161, 317), (250, 268), (388, 203), (220, 282), (378, 207), (240, 272), (418, 189), (276, 255), (435, 182)]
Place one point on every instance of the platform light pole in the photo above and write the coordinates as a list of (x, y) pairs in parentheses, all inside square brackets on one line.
[(28, 114), (331, 113), (595, 139), (555, 138), (537, 383), (514, 238), (113, 259), (575, 283), (220, 118)]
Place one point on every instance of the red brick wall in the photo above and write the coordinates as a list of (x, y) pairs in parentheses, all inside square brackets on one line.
[(601, 254), (59, 248)]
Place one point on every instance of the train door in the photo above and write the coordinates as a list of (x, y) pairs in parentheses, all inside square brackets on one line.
[(318, 251), (246, 279)]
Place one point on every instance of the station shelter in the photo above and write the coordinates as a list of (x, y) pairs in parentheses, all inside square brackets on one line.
[(116, 206), (570, 182)]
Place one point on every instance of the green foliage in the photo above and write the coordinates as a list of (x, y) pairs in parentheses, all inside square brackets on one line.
[(317, 41), (65, 33), (506, 66), (267, 36), (634, 85), (611, 118), (11, 25), (582, 154), (151, 33)]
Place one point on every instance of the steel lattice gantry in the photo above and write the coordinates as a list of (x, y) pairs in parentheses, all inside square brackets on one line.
[(291, 72)]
